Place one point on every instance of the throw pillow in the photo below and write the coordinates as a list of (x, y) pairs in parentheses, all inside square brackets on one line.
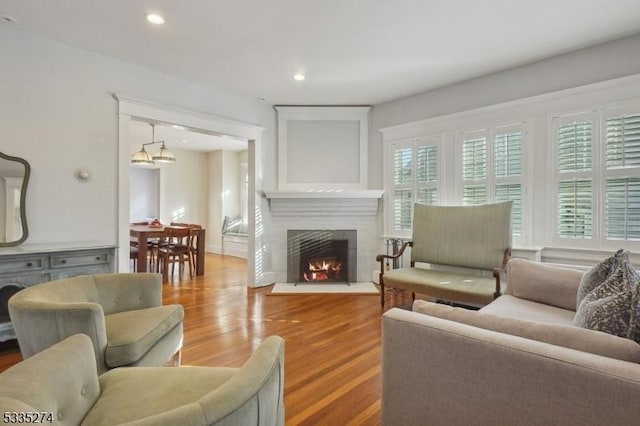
[(612, 305), (597, 275)]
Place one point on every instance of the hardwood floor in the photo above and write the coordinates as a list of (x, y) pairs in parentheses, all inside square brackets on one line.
[(332, 350)]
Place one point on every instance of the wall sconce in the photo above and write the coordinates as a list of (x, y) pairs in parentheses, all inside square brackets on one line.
[(82, 175)]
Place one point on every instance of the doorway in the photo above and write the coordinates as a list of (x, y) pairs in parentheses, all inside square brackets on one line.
[(134, 110)]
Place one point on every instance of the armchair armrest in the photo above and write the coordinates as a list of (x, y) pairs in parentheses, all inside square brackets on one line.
[(381, 257), (40, 324)]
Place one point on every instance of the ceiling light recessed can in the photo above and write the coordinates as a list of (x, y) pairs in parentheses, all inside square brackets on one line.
[(155, 19), (299, 77), (9, 19)]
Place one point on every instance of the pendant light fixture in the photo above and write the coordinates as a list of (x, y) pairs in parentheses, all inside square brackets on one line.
[(143, 158)]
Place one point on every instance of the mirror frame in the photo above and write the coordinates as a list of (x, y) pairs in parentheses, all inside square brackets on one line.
[(23, 194)]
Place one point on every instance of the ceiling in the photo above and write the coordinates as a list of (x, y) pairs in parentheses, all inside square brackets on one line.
[(353, 52)]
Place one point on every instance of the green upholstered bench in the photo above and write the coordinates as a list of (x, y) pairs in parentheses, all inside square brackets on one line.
[(457, 253)]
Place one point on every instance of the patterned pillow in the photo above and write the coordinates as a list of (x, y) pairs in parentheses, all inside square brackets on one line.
[(612, 305), (598, 274)]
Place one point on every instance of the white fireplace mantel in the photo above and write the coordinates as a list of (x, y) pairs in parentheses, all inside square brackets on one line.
[(325, 203), (326, 193)]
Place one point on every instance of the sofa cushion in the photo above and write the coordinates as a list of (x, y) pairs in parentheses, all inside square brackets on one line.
[(556, 334), (539, 282), (611, 305), (522, 309), (131, 334)]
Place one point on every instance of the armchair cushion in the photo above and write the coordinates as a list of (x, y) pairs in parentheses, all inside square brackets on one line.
[(556, 334), (131, 334)]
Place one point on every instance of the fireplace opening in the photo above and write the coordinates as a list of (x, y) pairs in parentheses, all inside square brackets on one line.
[(321, 256), (324, 261), (6, 291)]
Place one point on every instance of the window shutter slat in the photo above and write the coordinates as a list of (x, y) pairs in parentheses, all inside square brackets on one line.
[(574, 209), (512, 192), (574, 147), (508, 154), (623, 209), (623, 141)]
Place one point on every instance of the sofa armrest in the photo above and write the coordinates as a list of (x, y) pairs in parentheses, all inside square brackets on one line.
[(61, 381), (543, 283), (453, 373)]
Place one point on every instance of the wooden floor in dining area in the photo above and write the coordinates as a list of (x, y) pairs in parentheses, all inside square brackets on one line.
[(332, 349)]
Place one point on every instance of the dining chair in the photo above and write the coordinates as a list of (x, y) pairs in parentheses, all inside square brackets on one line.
[(195, 234), (152, 247), (177, 250)]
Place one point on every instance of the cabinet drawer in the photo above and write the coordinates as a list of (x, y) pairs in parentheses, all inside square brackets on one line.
[(25, 280), (23, 264), (72, 260)]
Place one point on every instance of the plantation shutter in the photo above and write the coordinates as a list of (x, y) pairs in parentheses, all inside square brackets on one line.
[(403, 184), (574, 143), (474, 171), (427, 174), (622, 189), (508, 171)]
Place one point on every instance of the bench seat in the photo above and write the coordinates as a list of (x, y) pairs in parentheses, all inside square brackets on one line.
[(473, 289)]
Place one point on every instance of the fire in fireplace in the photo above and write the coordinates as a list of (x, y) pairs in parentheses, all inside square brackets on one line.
[(321, 256)]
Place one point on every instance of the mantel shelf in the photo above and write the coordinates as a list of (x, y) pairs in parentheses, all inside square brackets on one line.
[(326, 193)]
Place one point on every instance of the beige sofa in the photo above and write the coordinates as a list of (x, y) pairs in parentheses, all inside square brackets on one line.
[(519, 360), (60, 386)]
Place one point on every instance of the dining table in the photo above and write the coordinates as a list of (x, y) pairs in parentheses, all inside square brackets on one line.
[(143, 233)]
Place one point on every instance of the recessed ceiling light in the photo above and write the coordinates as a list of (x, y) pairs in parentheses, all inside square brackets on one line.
[(299, 77), (155, 19), (175, 126), (184, 141)]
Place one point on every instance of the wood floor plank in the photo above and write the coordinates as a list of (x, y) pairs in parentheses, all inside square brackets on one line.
[(332, 342)]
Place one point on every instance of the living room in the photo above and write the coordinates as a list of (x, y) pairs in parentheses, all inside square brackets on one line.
[(64, 106)]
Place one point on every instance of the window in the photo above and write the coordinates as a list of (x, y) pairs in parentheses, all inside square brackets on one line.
[(492, 171), (622, 186), (574, 158), (598, 176), (416, 179)]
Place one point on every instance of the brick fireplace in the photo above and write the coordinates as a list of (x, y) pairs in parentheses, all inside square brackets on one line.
[(330, 214)]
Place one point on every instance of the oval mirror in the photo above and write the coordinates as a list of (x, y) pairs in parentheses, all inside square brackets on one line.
[(14, 176)]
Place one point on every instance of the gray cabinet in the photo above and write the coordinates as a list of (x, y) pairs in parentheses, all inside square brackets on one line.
[(26, 266)]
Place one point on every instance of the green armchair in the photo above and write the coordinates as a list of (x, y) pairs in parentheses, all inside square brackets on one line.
[(121, 313), (61, 384)]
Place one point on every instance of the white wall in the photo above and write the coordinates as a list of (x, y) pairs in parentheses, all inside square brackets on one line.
[(184, 187), (59, 114)]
